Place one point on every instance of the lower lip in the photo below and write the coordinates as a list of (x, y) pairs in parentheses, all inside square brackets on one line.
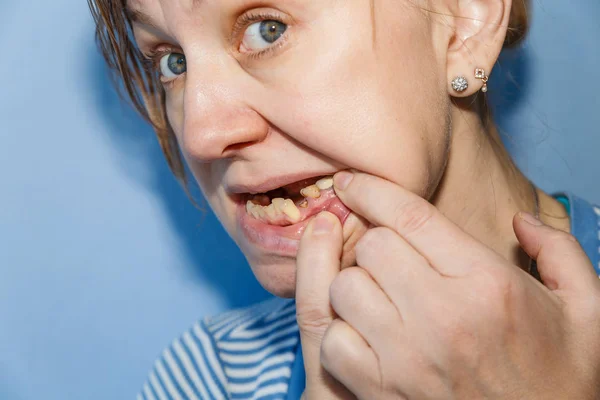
[(282, 240)]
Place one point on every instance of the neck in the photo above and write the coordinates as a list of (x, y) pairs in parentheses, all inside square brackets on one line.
[(482, 189)]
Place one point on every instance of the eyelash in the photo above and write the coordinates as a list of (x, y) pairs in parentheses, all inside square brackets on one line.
[(151, 61), (248, 19)]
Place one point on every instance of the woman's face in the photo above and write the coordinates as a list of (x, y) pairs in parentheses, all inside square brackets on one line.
[(270, 94)]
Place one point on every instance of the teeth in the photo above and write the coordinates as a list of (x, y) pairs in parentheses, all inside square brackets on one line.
[(263, 208), (325, 183), (291, 210), (278, 204), (270, 211), (255, 210), (311, 191), (261, 199)]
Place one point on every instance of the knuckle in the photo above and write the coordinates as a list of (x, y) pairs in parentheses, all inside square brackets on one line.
[(373, 240), (558, 243), (558, 237), (411, 216), (312, 321), (347, 281)]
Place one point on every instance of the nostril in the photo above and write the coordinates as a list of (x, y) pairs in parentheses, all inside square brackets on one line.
[(237, 147)]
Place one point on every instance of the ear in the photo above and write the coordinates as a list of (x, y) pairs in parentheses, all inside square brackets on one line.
[(480, 28)]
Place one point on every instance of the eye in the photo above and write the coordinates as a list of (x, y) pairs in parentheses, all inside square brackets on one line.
[(261, 35), (172, 65)]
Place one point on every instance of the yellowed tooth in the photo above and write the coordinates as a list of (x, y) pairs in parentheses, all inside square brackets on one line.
[(260, 213), (325, 183), (291, 210), (255, 211), (271, 211), (278, 203), (249, 206), (311, 191), (261, 199)]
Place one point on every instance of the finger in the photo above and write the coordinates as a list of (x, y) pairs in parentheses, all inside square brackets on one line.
[(399, 270), (561, 261), (448, 248), (361, 303), (350, 360), (317, 265)]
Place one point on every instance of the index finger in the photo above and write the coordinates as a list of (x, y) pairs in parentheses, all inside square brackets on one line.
[(449, 249)]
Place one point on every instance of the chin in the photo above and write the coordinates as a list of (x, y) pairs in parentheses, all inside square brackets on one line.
[(277, 275)]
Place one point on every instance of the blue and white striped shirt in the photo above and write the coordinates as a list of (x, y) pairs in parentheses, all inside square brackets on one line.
[(254, 353), (242, 354)]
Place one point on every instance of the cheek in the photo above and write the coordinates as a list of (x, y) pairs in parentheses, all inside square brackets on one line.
[(378, 109)]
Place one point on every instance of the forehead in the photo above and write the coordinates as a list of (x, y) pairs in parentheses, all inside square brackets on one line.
[(148, 11)]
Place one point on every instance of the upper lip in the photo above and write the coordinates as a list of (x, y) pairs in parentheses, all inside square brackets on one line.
[(266, 184)]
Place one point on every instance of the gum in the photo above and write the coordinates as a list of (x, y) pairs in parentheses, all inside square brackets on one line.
[(313, 207)]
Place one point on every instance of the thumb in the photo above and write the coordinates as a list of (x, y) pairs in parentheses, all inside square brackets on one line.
[(561, 261), (317, 265)]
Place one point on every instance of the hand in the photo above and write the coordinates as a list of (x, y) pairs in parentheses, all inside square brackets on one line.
[(431, 313), (317, 266)]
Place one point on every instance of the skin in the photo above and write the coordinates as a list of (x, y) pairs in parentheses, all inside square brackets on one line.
[(364, 86), (489, 332), (403, 120)]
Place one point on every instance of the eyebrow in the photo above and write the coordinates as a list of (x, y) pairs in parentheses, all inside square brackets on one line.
[(139, 17)]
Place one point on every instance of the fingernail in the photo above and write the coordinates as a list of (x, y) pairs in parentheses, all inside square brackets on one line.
[(530, 219), (323, 224), (342, 179)]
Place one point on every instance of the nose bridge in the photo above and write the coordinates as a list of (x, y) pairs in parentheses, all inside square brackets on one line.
[(217, 117)]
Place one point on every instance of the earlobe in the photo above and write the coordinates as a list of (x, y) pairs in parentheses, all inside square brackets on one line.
[(479, 31)]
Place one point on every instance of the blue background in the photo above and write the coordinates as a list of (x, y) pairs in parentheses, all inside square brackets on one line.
[(103, 260)]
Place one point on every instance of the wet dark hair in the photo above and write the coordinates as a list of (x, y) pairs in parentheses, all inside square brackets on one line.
[(145, 92)]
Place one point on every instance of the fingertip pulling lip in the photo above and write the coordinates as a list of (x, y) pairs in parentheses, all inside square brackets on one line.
[(284, 240)]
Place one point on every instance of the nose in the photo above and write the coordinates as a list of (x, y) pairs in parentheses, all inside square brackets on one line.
[(218, 122)]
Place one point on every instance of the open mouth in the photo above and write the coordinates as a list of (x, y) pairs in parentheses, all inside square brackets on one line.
[(293, 203)]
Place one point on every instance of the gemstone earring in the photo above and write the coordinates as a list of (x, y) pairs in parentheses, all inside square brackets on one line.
[(480, 74), (460, 84)]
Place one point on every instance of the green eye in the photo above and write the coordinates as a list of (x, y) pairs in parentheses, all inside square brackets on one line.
[(172, 65), (270, 31), (261, 35)]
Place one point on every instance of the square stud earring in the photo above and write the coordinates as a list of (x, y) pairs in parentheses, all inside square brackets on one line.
[(480, 74)]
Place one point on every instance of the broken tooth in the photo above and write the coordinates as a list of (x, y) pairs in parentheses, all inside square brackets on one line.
[(325, 183), (290, 209), (261, 199), (303, 203), (311, 191)]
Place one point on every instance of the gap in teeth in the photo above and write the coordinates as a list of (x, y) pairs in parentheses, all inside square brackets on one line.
[(279, 208), (272, 205)]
